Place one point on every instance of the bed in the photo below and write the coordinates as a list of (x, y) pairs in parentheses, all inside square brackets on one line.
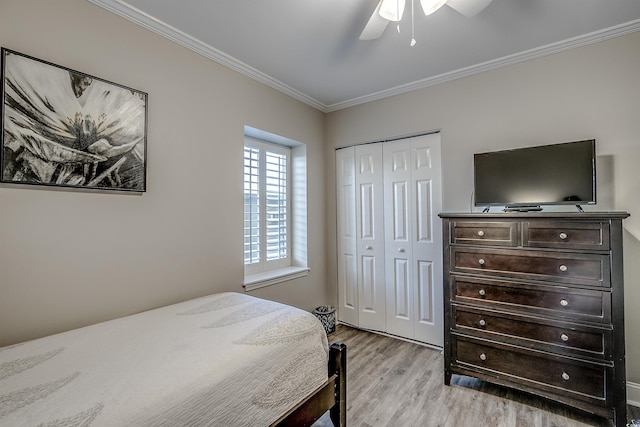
[(226, 359)]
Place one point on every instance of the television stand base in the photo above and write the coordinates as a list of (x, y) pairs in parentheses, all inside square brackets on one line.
[(522, 208)]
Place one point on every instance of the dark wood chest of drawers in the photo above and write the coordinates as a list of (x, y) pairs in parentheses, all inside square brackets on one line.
[(535, 302)]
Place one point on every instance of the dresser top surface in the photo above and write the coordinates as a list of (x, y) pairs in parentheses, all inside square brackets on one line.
[(535, 215)]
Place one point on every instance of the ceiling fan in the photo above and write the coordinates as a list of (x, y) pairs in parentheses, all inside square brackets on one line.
[(392, 10)]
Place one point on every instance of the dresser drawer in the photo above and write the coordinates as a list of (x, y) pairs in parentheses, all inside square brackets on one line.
[(563, 267), (543, 300), (535, 369), (554, 336), (495, 233), (569, 235)]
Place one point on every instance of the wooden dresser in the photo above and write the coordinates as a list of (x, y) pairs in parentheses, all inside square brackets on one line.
[(535, 301)]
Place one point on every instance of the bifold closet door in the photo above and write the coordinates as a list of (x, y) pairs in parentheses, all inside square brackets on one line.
[(361, 287), (413, 256), (389, 237), (370, 236), (399, 271), (346, 236)]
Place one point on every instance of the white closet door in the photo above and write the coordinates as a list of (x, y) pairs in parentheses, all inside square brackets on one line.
[(398, 218), (347, 256), (370, 236), (413, 257), (389, 237), (427, 238)]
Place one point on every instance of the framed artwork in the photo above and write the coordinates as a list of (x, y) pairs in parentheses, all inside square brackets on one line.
[(61, 127)]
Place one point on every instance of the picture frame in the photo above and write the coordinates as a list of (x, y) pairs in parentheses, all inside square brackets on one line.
[(66, 128)]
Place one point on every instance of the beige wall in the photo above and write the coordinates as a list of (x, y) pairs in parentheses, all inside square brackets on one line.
[(70, 258), (590, 92)]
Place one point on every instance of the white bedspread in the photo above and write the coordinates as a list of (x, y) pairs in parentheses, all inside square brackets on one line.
[(223, 360)]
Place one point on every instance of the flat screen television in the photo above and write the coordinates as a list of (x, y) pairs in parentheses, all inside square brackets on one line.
[(524, 179)]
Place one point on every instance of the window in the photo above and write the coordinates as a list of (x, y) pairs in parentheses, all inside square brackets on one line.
[(266, 206), (274, 209)]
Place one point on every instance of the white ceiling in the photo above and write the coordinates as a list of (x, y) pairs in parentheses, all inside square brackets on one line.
[(310, 49)]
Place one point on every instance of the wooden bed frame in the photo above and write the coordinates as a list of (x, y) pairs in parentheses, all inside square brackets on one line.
[(332, 396)]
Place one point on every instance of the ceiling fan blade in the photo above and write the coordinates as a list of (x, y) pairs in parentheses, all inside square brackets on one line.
[(468, 8), (376, 25)]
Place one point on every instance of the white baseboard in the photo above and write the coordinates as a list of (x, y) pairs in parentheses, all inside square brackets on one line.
[(633, 394)]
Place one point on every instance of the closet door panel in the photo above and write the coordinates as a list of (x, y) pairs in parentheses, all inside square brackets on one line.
[(401, 288), (399, 270), (348, 310), (427, 237), (370, 238), (424, 211), (426, 292), (367, 214)]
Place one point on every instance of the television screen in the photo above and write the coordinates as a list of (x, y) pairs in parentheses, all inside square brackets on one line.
[(533, 176)]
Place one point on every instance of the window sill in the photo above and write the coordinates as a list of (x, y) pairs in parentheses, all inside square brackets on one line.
[(260, 280)]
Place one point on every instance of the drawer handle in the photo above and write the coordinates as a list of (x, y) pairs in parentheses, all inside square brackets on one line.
[(564, 337), (481, 261), (483, 356), (482, 322), (563, 267), (562, 236), (565, 376), (482, 292), (564, 302), (480, 233), (368, 248), (401, 250)]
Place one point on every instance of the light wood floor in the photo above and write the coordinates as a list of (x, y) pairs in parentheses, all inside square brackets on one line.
[(391, 382)]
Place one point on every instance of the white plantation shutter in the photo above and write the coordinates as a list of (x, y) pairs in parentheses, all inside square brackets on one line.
[(276, 205), (266, 206), (251, 206)]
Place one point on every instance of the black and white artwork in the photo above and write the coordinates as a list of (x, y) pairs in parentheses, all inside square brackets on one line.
[(65, 128)]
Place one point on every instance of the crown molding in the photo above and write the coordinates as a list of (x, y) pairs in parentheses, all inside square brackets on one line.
[(121, 8), (550, 49)]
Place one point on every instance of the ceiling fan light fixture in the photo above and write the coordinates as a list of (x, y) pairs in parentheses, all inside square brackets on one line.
[(430, 6), (468, 8), (392, 10)]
